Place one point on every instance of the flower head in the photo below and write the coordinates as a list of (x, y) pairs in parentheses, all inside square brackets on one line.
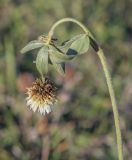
[(41, 96)]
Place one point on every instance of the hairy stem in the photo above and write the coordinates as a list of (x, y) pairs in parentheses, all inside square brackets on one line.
[(84, 28), (107, 76), (114, 104)]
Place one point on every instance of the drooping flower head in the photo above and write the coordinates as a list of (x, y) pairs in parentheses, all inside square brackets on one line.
[(41, 96)]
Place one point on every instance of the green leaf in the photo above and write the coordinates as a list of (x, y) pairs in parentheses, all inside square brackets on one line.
[(32, 45), (79, 46), (57, 56), (68, 43), (42, 60), (60, 68)]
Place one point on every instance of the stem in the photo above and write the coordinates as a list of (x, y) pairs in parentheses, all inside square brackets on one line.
[(114, 104), (51, 32), (43, 78), (107, 76)]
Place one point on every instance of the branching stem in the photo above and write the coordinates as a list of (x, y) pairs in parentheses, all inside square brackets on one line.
[(106, 73)]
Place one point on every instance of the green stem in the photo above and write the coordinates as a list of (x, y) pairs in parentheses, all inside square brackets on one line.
[(107, 76), (51, 32), (42, 78), (114, 104)]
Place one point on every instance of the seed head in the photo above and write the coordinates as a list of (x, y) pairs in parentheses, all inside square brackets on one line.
[(41, 96)]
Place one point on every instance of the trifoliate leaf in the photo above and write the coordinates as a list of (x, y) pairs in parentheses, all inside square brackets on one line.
[(32, 45), (57, 56), (79, 46), (42, 60)]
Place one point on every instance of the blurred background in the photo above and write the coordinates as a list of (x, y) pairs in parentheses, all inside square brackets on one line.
[(81, 127)]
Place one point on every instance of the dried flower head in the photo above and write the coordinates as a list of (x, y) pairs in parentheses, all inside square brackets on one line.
[(44, 39), (41, 96)]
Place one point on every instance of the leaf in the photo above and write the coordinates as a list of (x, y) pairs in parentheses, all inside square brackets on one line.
[(79, 46), (57, 56), (60, 67), (32, 45), (42, 60), (68, 43)]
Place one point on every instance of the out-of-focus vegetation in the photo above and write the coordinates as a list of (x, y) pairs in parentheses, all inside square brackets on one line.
[(81, 126)]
